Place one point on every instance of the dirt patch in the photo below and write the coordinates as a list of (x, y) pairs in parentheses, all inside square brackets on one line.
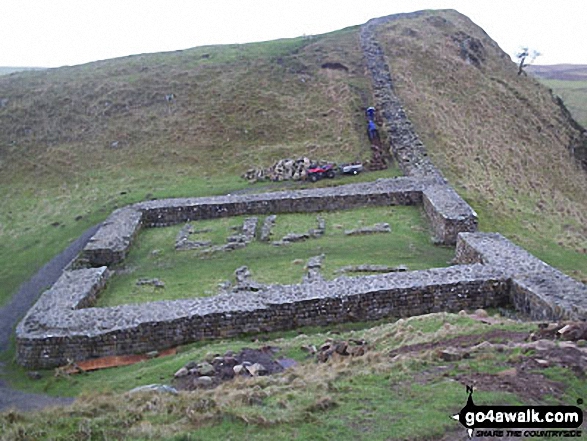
[(529, 386)]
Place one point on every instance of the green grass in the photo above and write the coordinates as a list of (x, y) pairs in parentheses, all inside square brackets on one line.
[(369, 397), (574, 94), (189, 274)]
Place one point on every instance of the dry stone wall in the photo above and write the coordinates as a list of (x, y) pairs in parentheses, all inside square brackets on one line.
[(54, 332), (490, 270)]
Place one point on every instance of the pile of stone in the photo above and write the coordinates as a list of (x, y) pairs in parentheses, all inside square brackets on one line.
[(247, 231), (372, 269), (377, 228), (377, 161), (244, 281), (245, 235), (183, 242), (282, 170), (153, 282), (268, 225), (313, 268), (219, 368), (337, 348), (312, 233)]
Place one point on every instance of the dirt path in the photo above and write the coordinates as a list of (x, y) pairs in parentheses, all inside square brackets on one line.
[(17, 307)]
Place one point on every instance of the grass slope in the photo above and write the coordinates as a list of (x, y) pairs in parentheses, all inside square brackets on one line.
[(77, 142), (500, 138), (371, 397)]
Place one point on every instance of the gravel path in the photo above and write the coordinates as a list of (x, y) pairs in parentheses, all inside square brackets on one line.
[(17, 307)]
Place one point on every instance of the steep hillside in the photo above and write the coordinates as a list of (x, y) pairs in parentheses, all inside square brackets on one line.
[(77, 141), (502, 139)]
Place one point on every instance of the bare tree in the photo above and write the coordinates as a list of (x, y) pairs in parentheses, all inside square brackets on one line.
[(523, 55)]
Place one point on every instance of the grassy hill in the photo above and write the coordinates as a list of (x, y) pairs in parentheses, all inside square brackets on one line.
[(77, 142), (501, 139)]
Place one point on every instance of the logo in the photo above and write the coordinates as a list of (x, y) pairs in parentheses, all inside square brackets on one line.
[(512, 421)]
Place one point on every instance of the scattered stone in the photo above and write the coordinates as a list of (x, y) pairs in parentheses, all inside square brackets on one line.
[(377, 228), (257, 369), (160, 388), (154, 282), (238, 369), (268, 225), (351, 347)]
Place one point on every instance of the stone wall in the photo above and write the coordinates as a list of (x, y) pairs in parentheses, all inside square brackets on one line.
[(538, 290), (491, 271), (55, 331)]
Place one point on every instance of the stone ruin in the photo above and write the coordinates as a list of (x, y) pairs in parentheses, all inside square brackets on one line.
[(489, 270)]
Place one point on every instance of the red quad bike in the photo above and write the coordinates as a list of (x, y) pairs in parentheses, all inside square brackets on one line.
[(317, 172)]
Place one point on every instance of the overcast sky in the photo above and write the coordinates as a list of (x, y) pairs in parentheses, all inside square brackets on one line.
[(52, 33)]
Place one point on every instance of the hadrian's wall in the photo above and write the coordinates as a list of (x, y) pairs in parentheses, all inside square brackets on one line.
[(490, 271)]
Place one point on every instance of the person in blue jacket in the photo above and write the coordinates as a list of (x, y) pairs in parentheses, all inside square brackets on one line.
[(370, 112), (372, 131)]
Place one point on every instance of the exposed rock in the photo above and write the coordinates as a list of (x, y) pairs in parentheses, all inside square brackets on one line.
[(203, 381), (154, 282), (182, 372), (450, 354), (205, 369), (268, 225), (257, 369), (377, 228), (160, 388)]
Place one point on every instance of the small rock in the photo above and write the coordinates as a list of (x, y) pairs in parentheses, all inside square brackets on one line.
[(542, 363), (181, 372), (191, 365), (341, 348), (203, 381), (238, 369), (152, 354), (34, 375), (450, 354), (257, 369), (206, 369), (481, 313)]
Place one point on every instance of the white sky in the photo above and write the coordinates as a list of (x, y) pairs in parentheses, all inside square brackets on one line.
[(52, 33)]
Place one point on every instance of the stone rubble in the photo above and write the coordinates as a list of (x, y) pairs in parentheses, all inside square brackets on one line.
[(372, 269), (377, 228), (182, 241)]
